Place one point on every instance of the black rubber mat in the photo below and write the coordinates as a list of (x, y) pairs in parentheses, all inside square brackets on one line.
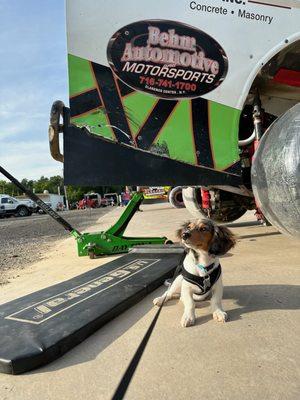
[(41, 326)]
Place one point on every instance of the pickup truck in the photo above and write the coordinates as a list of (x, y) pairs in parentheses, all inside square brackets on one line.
[(11, 206)]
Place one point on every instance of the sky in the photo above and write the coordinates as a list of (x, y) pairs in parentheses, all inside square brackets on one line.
[(33, 74)]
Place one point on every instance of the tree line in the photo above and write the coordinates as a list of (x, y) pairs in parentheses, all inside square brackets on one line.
[(55, 184)]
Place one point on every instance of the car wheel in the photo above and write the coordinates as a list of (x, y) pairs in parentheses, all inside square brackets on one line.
[(23, 212)]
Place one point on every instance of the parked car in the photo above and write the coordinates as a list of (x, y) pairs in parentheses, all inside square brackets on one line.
[(104, 202), (112, 198), (11, 206)]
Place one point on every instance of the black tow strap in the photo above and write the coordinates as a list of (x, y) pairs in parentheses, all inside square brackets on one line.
[(127, 377)]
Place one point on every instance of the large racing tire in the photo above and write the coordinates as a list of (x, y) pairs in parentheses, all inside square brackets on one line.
[(175, 197), (275, 173), (227, 213)]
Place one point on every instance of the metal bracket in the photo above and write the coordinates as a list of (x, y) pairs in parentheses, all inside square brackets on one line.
[(54, 129)]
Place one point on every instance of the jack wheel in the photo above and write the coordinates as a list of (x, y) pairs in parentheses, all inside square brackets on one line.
[(92, 254), (168, 241)]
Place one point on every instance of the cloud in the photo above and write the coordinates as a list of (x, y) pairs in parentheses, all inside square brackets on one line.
[(33, 74), (29, 160)]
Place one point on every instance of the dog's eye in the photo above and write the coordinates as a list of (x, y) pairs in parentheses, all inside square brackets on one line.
[(202, 229)]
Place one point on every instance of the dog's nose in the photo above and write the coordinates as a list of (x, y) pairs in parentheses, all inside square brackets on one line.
[(186, 235)]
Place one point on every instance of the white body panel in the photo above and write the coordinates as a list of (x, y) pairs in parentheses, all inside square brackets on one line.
[(248, 42)]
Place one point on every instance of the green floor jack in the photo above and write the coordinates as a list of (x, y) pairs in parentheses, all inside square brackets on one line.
[(102, 243)]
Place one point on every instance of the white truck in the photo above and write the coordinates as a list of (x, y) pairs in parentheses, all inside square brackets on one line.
[(11, 206)]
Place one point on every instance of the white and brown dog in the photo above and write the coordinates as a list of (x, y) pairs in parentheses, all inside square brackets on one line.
[(201, 275)]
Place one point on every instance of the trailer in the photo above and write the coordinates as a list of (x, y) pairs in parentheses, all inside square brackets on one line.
[(186, 93), (55, 201)]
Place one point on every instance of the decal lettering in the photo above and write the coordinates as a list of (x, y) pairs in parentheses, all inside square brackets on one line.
[(244, 13), (49, 308), (167, 59)]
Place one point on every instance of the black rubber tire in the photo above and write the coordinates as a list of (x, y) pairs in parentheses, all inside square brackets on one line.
[(23, 211), (175, 197)]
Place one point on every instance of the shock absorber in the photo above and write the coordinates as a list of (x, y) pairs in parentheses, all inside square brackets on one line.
[(257, 120), (258, 129)]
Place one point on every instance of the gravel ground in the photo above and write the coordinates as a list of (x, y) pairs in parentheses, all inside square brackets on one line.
[(26, 240)]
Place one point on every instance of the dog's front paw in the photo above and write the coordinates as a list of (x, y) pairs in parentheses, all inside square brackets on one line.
[(158, 301), (188, 319), (220, 316)]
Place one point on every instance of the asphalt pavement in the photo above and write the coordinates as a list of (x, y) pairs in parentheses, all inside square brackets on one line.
[(26, 240)]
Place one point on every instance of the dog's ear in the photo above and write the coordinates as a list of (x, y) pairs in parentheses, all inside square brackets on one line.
[(183, 228), (223, 240)]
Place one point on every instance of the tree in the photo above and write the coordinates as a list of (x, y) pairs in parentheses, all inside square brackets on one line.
[(52, 184), (9, 188)]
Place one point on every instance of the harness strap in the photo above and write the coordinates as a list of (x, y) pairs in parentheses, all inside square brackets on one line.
[(204, 283)]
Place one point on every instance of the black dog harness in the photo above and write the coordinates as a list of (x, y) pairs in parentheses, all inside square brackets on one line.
[(204, 283)]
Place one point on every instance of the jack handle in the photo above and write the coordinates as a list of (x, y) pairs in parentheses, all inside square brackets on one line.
[(48, 210)]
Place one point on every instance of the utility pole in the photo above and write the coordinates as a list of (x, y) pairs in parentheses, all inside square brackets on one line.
[(66, 197)]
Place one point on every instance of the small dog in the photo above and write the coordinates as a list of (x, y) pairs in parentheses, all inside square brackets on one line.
[(201, 272)]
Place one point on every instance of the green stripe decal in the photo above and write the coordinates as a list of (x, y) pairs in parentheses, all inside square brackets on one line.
[(80, 76), (224, 125), (137, 107), (92, 122), (80, 80), (177, 134)]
